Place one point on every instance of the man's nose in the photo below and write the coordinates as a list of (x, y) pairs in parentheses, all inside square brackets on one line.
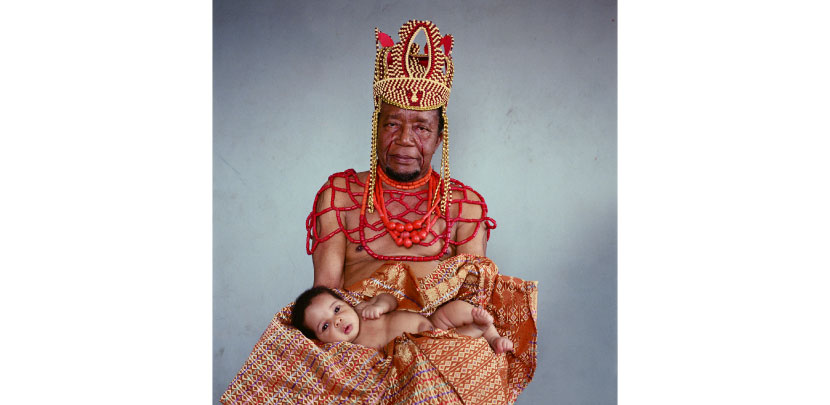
[(407, 135)]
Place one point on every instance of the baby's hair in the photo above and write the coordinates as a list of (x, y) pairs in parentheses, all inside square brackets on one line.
[(302, 302)]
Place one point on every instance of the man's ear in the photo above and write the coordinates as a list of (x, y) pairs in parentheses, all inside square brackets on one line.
[(440, 127)]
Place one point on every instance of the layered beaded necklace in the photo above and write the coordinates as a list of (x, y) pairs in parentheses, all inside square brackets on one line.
[(409, 233)]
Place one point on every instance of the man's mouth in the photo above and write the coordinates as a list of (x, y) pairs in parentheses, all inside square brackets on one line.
[(402, 159)]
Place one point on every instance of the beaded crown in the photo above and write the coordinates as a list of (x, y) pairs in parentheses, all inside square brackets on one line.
[(408, 78)]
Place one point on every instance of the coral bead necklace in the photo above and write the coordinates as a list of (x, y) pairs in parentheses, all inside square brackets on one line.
[(409, 233)]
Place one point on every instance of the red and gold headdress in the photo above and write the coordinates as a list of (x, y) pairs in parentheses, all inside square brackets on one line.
[(408, 78)]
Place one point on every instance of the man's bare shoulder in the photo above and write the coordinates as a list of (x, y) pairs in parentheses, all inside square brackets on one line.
[(345, 187), (340, 179), (362, 176), (470, 201), (461, 190)]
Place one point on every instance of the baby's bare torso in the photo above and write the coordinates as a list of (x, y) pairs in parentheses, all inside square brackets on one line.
[(376, 333)]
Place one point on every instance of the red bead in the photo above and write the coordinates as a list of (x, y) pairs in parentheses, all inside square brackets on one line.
[(405, 234), (416, 238), (390, 226), (407, 242), (399, 227), (423, 234), (418, 224), (408, 227), (399, 241)]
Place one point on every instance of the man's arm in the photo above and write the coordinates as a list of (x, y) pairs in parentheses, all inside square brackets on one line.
[(328, 262), (478, 244), (329, 256)]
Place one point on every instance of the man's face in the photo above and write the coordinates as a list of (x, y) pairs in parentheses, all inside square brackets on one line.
[(407, 139), (332, 319)]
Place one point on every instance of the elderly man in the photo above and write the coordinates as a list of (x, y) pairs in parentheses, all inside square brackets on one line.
[(400, 209), (432, 230)]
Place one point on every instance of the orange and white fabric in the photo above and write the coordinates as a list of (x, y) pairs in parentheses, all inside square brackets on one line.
[(436, 367)]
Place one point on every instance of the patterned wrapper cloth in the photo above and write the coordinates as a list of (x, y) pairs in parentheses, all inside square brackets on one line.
[(435, 367)]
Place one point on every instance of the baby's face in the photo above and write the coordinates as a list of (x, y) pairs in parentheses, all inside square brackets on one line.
[(331, 319)]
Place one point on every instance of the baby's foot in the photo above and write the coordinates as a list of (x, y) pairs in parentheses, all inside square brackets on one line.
[(482, 318), (501, 345)]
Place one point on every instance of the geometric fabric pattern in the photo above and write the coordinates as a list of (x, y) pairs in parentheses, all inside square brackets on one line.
[(433, 367)]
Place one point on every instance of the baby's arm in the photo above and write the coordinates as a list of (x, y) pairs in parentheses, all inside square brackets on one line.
[(377, 306)]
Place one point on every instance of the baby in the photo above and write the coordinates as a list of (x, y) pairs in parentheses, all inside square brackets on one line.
[(320, 313)]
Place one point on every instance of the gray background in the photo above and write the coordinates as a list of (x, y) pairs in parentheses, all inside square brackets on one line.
[(532, 127)]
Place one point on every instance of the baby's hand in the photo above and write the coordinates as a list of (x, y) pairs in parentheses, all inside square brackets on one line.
[(371, 312)]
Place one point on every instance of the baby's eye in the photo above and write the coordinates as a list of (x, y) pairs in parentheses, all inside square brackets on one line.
[(337, 309), (325, 326)]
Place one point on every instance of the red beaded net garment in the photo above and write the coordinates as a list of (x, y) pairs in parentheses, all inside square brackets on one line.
[(434, 230)]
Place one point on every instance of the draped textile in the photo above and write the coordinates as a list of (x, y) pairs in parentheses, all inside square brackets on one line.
[(433, 367)]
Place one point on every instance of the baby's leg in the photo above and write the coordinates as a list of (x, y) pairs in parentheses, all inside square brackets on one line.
[(454, 314), (470, 321)]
